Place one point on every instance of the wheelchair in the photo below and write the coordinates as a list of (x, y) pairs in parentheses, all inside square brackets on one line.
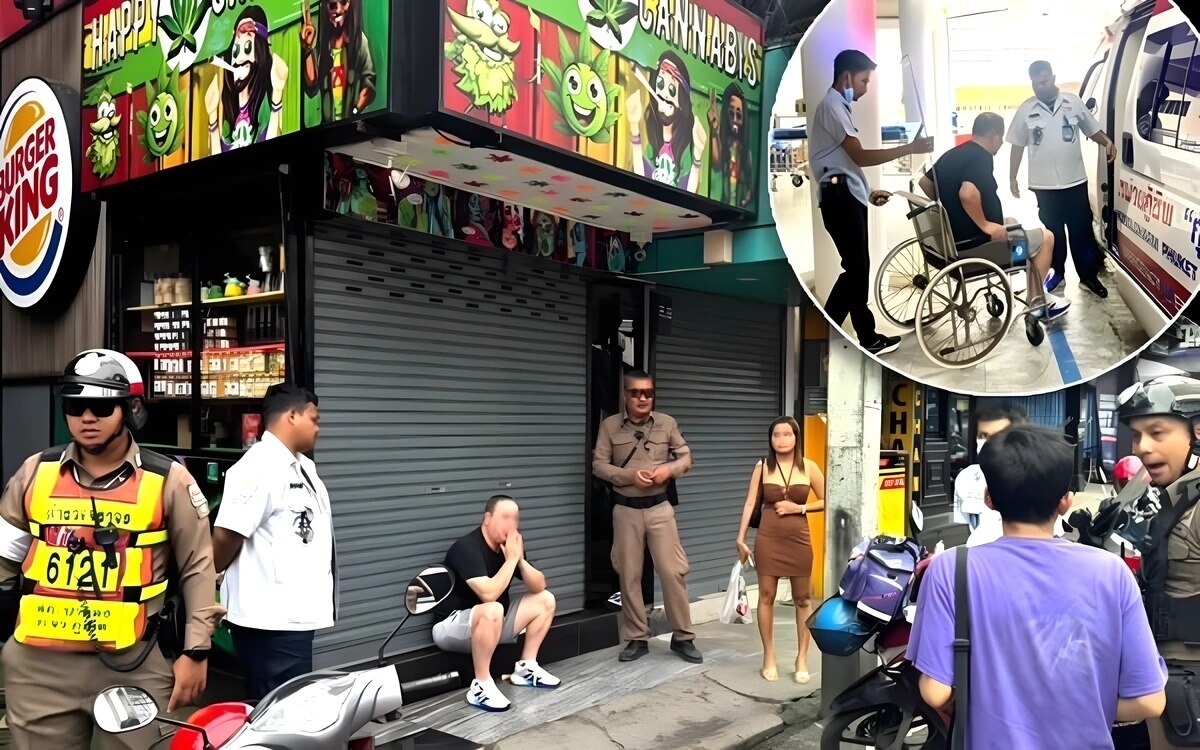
[(960, 302)]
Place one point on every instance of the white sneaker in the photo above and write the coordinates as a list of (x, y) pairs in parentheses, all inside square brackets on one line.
[(529, 674), (487, 695)]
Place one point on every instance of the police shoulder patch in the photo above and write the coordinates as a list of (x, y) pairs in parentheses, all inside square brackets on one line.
[(199, 502)]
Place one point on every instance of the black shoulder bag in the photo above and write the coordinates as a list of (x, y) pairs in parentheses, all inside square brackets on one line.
[(756, 516), (962, 651)]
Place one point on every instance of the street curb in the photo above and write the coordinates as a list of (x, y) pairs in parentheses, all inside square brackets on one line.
[(761, 737)]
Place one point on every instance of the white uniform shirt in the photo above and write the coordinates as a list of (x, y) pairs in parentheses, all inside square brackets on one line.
[(969, 488), (1052, 135), (829, 126), (285, 576)]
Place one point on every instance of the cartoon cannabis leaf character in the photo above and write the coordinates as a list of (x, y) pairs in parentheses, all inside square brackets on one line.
[(162, 123), (183, 24), (611, 14), (105, 149), (580, 92), (483, 54)]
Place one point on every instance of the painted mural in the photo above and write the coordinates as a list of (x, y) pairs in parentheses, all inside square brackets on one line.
[(172, 81), (670, 90), (391, 196)]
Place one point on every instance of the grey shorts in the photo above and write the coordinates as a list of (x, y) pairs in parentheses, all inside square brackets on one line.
[(1003, 256), (454, 633)]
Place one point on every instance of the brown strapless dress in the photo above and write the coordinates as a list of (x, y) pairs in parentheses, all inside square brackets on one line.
[(783, 546)]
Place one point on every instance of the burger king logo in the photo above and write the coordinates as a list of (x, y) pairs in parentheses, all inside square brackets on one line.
[(38, 179)]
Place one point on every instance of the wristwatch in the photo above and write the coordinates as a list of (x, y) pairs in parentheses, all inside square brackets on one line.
[(196, 654)]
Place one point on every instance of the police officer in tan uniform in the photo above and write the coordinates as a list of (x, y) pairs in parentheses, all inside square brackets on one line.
[(634, 454), (110, 527)]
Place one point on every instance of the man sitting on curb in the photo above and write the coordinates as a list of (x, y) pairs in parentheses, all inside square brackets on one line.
[(479, 614)]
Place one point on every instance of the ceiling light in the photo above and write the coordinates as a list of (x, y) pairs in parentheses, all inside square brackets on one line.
[(747, 278)]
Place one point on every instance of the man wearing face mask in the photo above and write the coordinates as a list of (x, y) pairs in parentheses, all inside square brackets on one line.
[(837, 159), (1049, 124), (108, 527)]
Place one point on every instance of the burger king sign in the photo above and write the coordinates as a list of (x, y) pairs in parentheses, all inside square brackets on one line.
[(43, 252)]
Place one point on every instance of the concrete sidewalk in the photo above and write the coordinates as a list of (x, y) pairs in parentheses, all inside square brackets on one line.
[(657, 703)]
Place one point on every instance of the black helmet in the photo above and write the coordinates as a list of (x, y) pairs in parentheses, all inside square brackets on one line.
[(1166, 395), (105, 374), (1173, 395)]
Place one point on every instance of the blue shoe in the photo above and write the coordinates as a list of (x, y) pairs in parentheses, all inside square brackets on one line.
[(1053, 310), (1053, 281)]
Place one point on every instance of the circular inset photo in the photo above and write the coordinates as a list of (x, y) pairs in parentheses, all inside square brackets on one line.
[(993, 197)]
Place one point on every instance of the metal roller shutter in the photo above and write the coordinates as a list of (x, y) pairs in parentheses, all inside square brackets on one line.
[(719, 372), (445, 376)]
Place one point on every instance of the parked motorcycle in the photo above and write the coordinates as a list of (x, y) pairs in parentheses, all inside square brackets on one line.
[(316, 711), (884, 709)]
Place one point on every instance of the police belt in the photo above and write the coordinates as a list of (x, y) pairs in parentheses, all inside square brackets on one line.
[(640, 503)]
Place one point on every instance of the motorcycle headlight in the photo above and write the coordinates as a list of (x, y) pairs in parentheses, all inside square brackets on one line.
[(310, 710)]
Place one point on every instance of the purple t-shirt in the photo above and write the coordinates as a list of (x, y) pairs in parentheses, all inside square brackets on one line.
[(1058, 634)]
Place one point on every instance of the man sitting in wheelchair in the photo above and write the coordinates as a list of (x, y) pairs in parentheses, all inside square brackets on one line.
[(963, 181)]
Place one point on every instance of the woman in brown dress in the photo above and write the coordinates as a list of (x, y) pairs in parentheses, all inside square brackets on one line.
[(789, 486)]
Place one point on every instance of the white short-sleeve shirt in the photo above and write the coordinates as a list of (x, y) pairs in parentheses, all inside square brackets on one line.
[(1052, 134), (284, 578), (830, 124)]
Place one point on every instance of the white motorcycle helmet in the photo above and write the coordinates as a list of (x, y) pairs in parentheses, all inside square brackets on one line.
[(103, 374)]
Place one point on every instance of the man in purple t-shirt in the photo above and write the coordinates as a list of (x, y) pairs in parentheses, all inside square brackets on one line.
[(1060, 644)]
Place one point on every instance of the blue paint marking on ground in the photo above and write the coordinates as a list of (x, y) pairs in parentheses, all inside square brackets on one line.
[(1067, 366)]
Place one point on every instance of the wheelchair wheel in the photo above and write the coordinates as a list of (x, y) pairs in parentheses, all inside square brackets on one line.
[(797, 180), (902, 277), (957, 327), (995, 306), (1035, 330)]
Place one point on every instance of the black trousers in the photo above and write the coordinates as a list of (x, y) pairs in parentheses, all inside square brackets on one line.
[(845, 218), (272, 657), (1067, 212)]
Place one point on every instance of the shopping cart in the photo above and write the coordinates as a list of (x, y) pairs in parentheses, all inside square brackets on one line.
[(789, 155)]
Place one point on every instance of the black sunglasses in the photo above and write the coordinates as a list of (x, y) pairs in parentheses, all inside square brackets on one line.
[(101, 408)]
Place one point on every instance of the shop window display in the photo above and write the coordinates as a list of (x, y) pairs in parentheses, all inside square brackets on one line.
[(207, 324)]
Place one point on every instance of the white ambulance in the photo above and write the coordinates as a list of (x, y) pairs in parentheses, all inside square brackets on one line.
[(1144, 87)]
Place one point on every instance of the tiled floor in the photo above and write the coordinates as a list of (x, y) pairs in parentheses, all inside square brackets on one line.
[(1094, 337)]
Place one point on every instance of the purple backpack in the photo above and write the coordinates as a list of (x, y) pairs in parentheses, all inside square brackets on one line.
[(879, 575)]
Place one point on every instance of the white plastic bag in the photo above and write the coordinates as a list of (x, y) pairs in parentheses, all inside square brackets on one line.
[(737, 602)]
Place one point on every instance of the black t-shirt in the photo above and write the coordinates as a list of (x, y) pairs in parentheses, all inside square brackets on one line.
[(471, 557), (971, 163)]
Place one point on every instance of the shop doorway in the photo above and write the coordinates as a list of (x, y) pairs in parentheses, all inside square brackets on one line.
[(617, 343)]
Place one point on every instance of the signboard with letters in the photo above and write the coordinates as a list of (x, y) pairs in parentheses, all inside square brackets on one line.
[(47, 229), (175, 81), (670, 90)]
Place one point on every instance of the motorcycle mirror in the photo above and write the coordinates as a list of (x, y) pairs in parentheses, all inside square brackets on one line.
[(124, 709), (428, 589)]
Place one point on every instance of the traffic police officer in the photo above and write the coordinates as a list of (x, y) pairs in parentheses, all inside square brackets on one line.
[(1164, 416), (110, 526)]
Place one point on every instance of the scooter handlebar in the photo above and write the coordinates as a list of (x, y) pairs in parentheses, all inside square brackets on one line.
[(444, 681)]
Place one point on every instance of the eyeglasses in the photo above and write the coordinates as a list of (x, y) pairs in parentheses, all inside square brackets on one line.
[(100, 408), (646, 393)]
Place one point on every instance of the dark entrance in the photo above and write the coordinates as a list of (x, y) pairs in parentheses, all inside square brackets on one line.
[(617, 343)]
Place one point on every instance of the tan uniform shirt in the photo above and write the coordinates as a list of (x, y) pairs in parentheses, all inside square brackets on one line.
[(651, 442), (187, 528)]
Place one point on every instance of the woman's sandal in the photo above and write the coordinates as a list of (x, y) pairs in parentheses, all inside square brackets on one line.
[(801, 677), (770, 675)]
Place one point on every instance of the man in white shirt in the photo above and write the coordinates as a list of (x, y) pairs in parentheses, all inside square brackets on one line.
[(837, 159), (274, 535), (970, 486), (1049, 124)]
